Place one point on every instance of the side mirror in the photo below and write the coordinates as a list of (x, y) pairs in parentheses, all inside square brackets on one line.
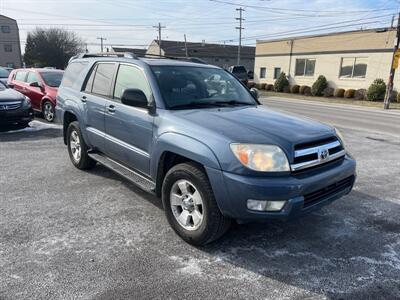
[(134, 97), (255, 93), (35, 84)]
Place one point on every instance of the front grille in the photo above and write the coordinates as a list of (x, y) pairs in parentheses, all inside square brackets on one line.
[(11, 105), (316, 153), (328, 191)]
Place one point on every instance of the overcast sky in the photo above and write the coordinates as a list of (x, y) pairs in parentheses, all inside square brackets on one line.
[(130, 23)]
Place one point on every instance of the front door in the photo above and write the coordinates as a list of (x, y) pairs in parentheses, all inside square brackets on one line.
[(35, 93), (129, 130)]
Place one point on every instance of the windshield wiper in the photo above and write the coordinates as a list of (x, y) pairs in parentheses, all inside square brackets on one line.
[(196, 104), (233, 102)]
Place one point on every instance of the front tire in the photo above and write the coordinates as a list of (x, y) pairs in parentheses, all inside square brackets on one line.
[(190, 206), (77, 148), (48, 111)]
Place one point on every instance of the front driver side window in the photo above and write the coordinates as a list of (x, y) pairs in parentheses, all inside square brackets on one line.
[(130, 77)]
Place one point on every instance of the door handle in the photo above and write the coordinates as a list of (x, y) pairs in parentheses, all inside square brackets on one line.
[(83, 99), (111, 108)]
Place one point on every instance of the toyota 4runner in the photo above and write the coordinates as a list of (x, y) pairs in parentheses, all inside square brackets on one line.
[(195, 136)]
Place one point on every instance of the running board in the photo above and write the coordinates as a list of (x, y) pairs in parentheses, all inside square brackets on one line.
[(134, 177)]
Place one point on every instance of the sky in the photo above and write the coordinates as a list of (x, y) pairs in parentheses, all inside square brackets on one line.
[(131, 23)]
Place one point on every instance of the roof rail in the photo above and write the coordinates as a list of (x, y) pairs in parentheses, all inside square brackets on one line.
[(104, 54)]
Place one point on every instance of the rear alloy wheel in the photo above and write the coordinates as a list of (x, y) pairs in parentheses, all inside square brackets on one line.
[(190, 206), (77, 148), (48, 111)]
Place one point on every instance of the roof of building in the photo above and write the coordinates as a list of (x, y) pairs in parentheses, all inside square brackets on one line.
[(11, 19), (381, 29), (137, 51), (177, 49)]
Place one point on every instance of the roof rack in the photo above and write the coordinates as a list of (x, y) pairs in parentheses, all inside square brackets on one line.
[(105, 54)]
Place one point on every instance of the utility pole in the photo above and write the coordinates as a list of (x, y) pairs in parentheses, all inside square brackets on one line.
[(159, 27), (101, 42), (186, 50), (240, 19), (393, 67)]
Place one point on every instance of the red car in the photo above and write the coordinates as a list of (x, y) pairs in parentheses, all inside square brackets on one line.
[(40, 85)]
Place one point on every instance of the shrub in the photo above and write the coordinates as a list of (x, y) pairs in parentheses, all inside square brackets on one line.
[(349, 93), (302, 88), (258, 86), (398, 97), (328, 92), (295, 89), (338, 93), (307, 91), (263, 86), (360, 94), (286, 89), (269, 87), (281, 82), (376, 91), (319, 85), (250, 84), (394, 96)]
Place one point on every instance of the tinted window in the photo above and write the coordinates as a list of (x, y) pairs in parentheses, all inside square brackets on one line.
[(20, 76), (130, 77), (184, 87), (305, 67), (103, 79), (3, 73), (52, 79), (73, 72), (353, 67), (32, 77), (89, 83)]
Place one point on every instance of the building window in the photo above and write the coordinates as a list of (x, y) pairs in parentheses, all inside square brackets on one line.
[(305, 67), (277, 72), (263, 72), (7, 48), (217, 59), (353, 67), (5, 29)]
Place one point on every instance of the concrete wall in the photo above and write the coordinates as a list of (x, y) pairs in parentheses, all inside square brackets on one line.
[(13, 58), (328, 52)]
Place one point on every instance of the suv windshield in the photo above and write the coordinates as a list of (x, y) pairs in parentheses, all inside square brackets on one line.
[(187, 87), (4, 73), (52, 79)]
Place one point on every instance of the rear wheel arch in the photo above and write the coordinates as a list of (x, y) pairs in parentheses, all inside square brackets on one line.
[(69, 117)]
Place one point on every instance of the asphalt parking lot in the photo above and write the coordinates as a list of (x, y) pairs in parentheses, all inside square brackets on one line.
[(67, 234)]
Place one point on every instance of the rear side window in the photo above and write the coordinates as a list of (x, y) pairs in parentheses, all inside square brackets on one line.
[(103, 79), (74, 70), (20, 76), (32, 77)]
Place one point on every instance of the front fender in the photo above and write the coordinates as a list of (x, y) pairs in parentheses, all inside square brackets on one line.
[(185, 146)]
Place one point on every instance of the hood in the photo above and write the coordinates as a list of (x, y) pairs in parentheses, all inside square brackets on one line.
[(10, 95), (257, 124)]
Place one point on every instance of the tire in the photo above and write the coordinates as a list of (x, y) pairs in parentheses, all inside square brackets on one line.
[(185, 205), (48, 111), (76, 143)]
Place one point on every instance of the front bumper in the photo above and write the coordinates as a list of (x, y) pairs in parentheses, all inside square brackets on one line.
[(304, 192), (18, 116)]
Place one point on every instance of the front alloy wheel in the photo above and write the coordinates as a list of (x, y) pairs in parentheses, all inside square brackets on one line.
[(75, 146), (186, 204)]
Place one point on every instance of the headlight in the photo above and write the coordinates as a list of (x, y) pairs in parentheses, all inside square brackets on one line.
[(263, 158), (27, 100), (340, 135)]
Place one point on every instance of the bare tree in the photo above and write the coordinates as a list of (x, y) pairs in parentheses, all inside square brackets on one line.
[(51, 47)]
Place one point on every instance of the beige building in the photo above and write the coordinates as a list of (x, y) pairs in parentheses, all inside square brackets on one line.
[(10, 47), (347, 59)]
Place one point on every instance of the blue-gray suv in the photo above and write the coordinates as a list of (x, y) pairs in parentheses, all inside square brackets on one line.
[(195, 136)]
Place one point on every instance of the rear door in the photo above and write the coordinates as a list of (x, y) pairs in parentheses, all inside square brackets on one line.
[(34, 93), (95, 95), (19, 81), (129, 130)]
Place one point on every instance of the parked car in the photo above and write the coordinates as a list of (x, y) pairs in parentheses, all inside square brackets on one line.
[(15, 108), (240, 72), (40, 85), (211, 154), (4, 73)]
